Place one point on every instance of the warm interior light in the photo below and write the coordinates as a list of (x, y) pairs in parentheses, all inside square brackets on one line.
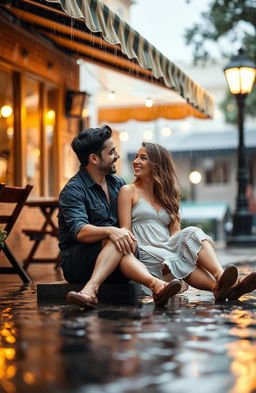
[(124, 136), (148, 134), (9, 132), (185, 126), (50, 116), (9, 353), (35, 153), (149, 102), (230, 107), (166, 131), (29, 377), (49, 130), (6, 110), (85, 113), (195, 177), (217, 114), (111, 96)]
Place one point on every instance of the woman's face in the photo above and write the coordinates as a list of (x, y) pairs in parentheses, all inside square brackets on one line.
[(141, 164)]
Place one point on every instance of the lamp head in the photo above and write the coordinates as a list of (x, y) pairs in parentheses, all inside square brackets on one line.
[(240, 74)]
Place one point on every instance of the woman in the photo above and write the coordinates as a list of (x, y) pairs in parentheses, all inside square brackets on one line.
[(150, 209)]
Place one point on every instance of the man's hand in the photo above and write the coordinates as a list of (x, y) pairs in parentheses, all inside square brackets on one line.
[(123, 239)]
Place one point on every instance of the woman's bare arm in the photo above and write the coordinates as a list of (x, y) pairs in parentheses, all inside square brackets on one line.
[(124, 205), (174, 227)]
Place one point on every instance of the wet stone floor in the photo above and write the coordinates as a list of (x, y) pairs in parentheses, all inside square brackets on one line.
[(192, 345)]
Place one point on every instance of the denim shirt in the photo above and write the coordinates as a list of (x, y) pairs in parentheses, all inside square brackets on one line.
[(82, 201)]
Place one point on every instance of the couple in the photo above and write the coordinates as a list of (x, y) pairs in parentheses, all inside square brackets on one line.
[(94, 249)]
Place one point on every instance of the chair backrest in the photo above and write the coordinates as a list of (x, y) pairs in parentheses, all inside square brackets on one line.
[(14, 195)]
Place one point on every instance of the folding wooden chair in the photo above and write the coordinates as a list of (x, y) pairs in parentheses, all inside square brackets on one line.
[(16, 196)]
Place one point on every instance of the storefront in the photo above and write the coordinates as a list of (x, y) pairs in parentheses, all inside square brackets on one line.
[(34, 129), (41, 42)]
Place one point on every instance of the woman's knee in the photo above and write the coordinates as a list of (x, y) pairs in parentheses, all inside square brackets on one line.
[(195, 232), (129, 259), (191, 229)]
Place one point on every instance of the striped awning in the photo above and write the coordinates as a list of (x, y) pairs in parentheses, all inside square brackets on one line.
[(89, 29), (176, 111)]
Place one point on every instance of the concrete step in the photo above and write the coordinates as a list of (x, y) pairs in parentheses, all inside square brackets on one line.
[(116, 293)]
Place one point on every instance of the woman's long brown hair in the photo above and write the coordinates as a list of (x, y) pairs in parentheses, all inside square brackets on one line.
[(166, 186)]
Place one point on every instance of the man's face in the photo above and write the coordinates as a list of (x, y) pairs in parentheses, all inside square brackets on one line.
[(108, 158)]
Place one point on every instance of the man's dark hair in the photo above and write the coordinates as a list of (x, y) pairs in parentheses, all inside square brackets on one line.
[(90, 141)]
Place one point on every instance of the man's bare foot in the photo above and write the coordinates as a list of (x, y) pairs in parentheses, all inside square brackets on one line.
[(90, 290)]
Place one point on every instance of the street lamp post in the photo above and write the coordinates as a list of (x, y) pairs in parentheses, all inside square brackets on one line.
[(240, 75)]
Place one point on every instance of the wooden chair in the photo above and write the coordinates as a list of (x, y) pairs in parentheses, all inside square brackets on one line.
[(16, 196)]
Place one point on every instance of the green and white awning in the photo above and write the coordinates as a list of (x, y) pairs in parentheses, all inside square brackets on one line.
[(89, 29)]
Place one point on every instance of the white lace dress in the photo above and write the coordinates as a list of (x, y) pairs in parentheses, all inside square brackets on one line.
[(157, 248)]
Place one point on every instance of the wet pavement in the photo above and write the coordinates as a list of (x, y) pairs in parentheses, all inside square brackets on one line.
[(192, 345)]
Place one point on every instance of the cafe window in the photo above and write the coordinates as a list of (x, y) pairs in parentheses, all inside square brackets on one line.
[(217, 172), (6, 127), (32, 132), (40, 129), (50, 129), (36, 101)]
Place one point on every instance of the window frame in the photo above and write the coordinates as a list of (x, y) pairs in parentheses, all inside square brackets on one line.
[(19, 135)]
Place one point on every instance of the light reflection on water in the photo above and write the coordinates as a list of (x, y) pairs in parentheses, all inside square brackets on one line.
[(192, 344), (243, 366)]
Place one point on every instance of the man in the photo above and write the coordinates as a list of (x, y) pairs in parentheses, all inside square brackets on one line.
[(88, 224)]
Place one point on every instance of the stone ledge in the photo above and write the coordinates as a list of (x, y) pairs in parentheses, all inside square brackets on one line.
[(118, 293)]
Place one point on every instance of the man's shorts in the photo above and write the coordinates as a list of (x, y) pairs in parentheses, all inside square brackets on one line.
[(79, 264)]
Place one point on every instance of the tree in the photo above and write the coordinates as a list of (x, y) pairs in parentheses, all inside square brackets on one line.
[(234, 21)]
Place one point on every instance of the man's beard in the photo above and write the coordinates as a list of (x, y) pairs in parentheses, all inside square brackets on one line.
[(108, 170)]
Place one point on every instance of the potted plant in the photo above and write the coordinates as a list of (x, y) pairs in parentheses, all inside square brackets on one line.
[(3, 236)]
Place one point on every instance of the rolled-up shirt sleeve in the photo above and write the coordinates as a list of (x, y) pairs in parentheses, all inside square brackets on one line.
[(73, 209), (81, 202)]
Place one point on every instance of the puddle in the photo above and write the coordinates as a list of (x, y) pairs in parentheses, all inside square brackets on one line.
[(190, 344)]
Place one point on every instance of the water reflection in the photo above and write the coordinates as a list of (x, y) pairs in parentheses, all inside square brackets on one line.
[(243, 366), (7, 351), (186, 346)]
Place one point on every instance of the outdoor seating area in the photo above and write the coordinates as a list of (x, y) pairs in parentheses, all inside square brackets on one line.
[(16, 198), (12, 202), (47, 206)]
